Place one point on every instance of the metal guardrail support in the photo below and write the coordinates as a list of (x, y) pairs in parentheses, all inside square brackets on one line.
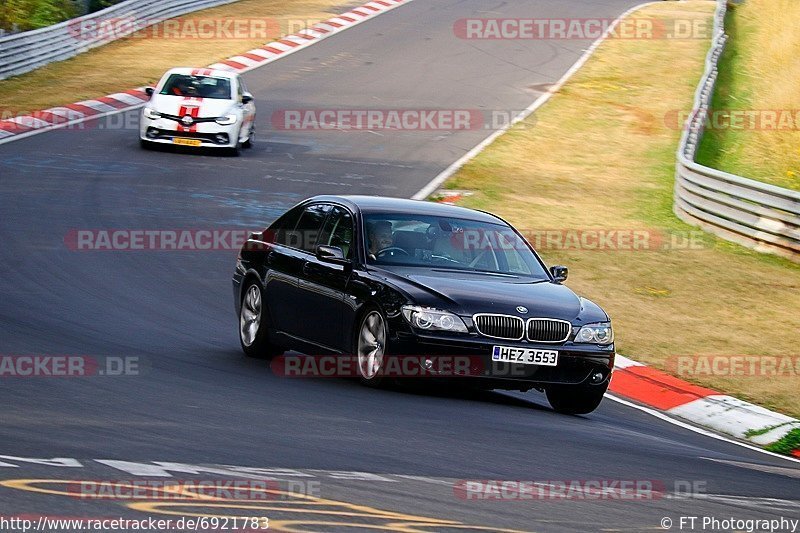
[(23, 52), (755, 214)]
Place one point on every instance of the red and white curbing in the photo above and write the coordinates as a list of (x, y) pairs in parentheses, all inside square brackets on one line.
[(699, 405), (58, 117), (271, 51)]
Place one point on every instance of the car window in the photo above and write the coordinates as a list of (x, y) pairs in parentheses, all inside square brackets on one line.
[(279, 230), (304, 236), (338, 231), (197, 87), (448, 243)]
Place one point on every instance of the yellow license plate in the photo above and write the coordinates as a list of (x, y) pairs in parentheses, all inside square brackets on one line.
[(186, 142)]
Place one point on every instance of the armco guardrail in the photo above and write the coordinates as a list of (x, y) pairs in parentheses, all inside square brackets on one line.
[(23, 52), (745, 211)]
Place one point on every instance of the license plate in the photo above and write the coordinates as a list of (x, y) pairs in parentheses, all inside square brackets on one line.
[(525, 356), (187, 142)]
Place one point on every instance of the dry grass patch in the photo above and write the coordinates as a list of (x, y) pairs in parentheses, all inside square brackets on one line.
[(134, 62), (599, 155)]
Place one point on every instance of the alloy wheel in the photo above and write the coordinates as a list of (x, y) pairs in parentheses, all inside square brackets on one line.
[(250, 316), (371, 345)]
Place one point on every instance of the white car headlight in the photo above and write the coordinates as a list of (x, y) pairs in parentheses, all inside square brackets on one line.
[(429, 319), (600, 333), (151, 114), (227, 120)]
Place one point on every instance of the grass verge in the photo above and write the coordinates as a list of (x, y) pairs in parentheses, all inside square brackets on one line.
[(599, 155), (758, 72), (138, 61), (788, 445)]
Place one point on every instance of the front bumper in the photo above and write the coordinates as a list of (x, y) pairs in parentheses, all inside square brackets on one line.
[(210, 134), (206, 139), (577, 363)]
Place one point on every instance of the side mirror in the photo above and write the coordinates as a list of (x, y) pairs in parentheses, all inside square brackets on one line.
[(560, 273), (150, 91), (247, 98), (331, 254)]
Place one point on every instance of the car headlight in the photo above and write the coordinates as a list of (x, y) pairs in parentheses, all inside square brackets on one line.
[(151, 114), (433, 320), (227, 120), (600, 333)]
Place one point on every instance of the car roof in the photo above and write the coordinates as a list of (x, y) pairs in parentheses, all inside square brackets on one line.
[(195, 71), (384, 204)]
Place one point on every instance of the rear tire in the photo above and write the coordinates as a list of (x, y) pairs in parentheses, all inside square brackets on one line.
[(253, 334), (575, 399)]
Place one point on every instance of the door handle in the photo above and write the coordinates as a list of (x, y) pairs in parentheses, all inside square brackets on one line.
[(307, 268), (270, 258)]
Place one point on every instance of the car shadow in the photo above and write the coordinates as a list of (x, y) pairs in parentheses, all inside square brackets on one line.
[(260, 147), (414, 387), (456, 392)]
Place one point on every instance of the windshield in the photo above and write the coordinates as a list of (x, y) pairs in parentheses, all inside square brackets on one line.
[(197, 87), (448, 243)]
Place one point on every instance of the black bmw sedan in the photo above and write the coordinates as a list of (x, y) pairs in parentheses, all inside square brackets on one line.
[(372, 279)]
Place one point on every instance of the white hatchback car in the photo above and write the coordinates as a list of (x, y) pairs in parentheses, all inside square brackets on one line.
[(199, 107)]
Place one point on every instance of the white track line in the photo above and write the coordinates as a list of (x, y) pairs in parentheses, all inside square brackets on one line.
[(701, 431)]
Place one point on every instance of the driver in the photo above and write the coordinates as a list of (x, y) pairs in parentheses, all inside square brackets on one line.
[(379, 235), (183, 87)]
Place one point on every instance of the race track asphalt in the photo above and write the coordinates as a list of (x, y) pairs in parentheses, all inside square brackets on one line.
[(198, 401)]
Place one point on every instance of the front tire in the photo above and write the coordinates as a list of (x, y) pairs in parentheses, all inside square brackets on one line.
[(253, 334), (371, 337), (145, 145), (250, 138), (575, 399)]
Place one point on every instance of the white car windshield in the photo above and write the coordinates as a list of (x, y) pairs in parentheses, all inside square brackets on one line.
[(197, 87)]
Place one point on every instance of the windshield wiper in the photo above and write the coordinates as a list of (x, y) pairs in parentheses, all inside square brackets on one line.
[(476, 271), (491, 272)]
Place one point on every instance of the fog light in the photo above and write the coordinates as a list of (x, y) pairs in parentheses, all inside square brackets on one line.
[(596, 378), (221, 138), (428, 364), (153, 133)]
